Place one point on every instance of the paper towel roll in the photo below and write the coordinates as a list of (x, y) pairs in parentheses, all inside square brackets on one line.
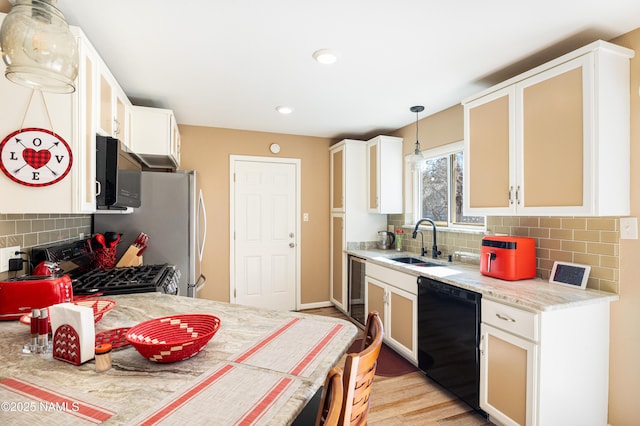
[(80, 319)]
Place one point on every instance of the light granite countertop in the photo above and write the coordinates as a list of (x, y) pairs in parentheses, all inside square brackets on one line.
[(535, 294), (135, 386)]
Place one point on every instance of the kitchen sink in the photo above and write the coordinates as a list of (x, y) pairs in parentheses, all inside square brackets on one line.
[(414, 261)]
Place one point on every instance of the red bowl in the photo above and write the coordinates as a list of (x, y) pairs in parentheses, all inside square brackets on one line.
[(173, 338)]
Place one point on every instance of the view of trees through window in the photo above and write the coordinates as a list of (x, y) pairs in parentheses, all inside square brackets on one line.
[(441, 189)]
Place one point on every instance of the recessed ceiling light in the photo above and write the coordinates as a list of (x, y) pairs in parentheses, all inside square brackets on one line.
[(325, 56), (284, 110)]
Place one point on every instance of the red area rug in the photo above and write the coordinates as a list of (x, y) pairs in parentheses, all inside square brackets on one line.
[(390, 364)]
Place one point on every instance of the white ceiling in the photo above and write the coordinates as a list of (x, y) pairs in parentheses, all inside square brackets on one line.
[(230, 63)]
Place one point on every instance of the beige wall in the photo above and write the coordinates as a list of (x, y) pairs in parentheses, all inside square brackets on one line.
[(207, 150), (436, 130), (624, 385)]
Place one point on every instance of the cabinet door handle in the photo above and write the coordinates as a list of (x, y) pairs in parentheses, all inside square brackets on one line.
[(505, 317), (482, 345), (518, 194), (510, 195), (116, 131)]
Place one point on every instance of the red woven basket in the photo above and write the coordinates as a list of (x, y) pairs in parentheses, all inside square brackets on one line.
[(173, 338)]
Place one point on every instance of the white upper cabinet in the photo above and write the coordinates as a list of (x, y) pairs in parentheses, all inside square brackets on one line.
[(155, 138), (552, 141), (113, 107), (75, 118), (384, 175)]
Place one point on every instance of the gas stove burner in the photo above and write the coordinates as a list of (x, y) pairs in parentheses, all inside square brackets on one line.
[(127, 280)]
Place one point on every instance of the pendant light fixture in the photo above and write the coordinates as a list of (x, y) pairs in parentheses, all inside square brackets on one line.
[(38, 48), (417, 156)]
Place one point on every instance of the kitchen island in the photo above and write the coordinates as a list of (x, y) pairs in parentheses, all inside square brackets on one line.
[(261, 367)]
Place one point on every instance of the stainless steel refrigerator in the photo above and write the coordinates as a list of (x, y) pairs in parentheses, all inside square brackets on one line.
[(173, 215)]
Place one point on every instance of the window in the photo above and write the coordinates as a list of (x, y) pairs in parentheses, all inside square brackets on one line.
[(440, 188)]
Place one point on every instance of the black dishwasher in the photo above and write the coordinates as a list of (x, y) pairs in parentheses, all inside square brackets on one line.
[(448, 338)]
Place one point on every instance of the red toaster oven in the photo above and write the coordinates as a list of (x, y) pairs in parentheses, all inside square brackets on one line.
[(508, 258), (18, 296)]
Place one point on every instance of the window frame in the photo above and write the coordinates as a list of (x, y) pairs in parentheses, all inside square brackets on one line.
[(414, 175)]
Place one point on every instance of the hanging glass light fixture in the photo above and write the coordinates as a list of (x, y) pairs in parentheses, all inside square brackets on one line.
[(417, 156), (38, 48)]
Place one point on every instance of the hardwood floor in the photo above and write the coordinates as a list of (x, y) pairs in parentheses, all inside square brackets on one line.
[(412, 399)]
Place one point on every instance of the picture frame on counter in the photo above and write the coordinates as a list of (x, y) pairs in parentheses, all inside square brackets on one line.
[(570, 274)]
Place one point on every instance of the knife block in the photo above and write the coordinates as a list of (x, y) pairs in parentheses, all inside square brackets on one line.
[(130, 257)]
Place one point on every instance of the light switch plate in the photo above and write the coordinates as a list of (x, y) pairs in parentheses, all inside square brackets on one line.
[(6, 254), (629, 228)]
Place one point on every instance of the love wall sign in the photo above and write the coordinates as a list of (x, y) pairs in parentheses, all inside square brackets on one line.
[(35, 157)]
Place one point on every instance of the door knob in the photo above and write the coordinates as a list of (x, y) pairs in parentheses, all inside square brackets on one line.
[(292, 245)]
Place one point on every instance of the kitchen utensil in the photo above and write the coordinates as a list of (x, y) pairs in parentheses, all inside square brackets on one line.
[(173, 338), (385, 240), (112, 239), (101, 241), (141, 240)]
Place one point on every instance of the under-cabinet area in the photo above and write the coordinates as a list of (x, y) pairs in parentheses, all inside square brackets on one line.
[(542, 349)]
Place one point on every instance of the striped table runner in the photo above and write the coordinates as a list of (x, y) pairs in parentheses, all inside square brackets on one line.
[(26, 402), (254, 384), (226, 395), (295, 347)]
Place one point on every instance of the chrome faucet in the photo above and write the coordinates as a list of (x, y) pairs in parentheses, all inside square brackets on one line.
[(434, 249)]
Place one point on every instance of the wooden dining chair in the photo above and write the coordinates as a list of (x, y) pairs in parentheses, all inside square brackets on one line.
[(331, 400), (359, 370)]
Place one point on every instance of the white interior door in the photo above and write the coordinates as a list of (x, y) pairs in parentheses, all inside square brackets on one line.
[(264, 234)]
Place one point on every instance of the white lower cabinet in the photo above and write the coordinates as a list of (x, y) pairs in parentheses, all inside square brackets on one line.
[(544, 368), (507, 365), (393, 295), (338, 263)]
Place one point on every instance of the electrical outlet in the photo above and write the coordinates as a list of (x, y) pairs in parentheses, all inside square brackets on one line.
[(6, 254), (629, 228)]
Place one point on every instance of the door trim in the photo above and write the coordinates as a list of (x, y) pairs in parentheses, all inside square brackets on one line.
[(232, 161)]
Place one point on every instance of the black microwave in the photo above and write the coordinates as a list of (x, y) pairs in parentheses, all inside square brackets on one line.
[(118, 176)]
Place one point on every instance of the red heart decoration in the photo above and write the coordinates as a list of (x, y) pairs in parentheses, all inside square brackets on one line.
[(36, 159)]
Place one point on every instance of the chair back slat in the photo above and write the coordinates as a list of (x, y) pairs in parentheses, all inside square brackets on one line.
[(359, 372), (331, 400)]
